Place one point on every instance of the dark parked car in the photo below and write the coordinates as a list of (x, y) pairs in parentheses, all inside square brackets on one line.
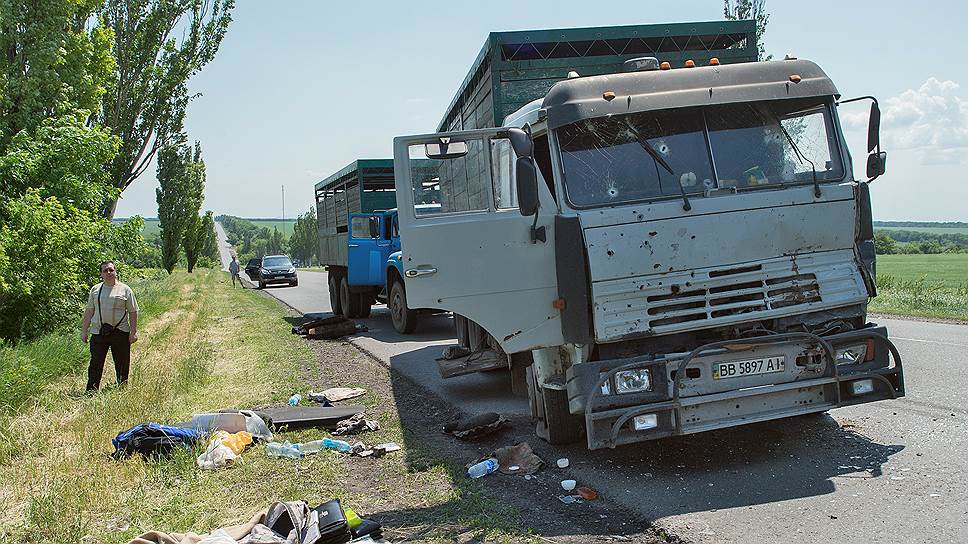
[(273, 269), (252, 268)]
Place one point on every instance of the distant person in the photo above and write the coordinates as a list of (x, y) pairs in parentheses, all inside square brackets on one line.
[(112, 317), (234, 270)]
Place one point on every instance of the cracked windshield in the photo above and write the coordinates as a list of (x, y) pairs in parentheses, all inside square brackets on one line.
[(653, 155)]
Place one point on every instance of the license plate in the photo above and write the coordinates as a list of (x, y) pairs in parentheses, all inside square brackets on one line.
[(752, 367)]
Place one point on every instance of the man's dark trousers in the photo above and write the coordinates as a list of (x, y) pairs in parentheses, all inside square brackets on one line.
[(120, 347)]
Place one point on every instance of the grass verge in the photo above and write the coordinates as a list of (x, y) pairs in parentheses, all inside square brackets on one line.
[(919, 297), (29, 366), (206, 346)]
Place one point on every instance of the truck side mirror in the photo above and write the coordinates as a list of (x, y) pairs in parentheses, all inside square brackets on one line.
[(874, 129), (521, 142), (374, 227), (876, 164), (526, 182)]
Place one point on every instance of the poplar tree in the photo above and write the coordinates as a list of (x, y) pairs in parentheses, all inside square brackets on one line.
[(750, 9)]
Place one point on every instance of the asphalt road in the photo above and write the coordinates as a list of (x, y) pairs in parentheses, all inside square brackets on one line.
[(893, 471)]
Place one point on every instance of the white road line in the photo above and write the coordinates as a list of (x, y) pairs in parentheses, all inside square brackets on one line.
[(930, 342)]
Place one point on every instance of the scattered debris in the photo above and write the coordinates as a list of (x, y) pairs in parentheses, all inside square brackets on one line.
[(152, 439), (454, 352), (482, 468), (327, 523), (318, 397), (336, 394), (294, 399), (587, 493), (223, 449), (356, 424), (563, 462), (360, 449), (569, 499), (568, 485), (520, 456), (327, 328), (476, 426), (302, 417)]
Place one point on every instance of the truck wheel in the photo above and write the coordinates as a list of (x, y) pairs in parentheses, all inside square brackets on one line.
[(350, 302), (555, 423), (334, 301), (404, 319)]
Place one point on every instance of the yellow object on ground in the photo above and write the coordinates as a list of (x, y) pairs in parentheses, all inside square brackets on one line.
[(235, 442)]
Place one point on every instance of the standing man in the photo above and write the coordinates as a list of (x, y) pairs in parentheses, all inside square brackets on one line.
[(234, 270), (112, 317)]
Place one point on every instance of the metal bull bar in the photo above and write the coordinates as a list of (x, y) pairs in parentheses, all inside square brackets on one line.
[(828, 365)]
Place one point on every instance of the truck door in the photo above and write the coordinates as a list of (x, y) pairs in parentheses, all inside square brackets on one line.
[(466, 247), (368, 249)]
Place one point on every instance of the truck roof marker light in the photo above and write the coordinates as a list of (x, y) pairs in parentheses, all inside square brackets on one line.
[(795, 78), (558, 303), (609, 95), (665, 66), (690, 64), (714, 61), (572, 74)]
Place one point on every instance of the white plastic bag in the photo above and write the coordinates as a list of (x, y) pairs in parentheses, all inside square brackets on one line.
[(216, 456)]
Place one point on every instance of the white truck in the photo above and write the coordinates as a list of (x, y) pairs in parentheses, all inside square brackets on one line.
[(666, 251)]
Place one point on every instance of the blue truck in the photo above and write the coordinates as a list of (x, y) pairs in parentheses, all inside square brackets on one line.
[(359, 241)]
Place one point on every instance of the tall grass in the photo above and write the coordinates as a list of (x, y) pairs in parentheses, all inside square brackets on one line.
[(919, 297), (29, 366)]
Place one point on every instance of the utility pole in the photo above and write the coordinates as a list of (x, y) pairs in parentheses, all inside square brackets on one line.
[(284, 207)]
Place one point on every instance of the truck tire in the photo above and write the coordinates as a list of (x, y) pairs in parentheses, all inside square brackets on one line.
[(350, 302), (555, 423), (404, 319), (334, 302)]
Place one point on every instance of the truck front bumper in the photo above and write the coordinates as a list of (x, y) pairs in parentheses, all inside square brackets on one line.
[(673, 408)]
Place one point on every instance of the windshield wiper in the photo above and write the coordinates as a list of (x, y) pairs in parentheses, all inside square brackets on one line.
[(800, 156), (661, 162)]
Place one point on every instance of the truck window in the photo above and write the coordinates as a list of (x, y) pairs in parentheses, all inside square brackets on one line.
[(449, 185), (751, 143), (605, 160), (502, 165), (361, 226)]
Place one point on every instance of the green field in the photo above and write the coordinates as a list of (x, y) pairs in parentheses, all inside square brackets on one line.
[(151, 226), (284, 226), (947, 269), (929, 230)]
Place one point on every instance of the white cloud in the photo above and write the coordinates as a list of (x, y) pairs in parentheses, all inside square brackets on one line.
[(932, 121)]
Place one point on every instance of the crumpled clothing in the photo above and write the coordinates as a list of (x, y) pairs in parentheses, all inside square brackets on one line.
[(342, 393), (152, 439), (519, 455), (356, 424)]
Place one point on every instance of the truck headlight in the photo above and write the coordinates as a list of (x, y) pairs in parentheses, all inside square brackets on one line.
[(631, 381), (851, 354)]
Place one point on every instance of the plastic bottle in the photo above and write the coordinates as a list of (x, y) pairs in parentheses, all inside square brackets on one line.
[(294, 400), (483, 468), (310, 447), (286, 449), (338, 445)]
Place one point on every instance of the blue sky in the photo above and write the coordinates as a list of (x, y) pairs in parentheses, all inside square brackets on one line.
[(301, 88)]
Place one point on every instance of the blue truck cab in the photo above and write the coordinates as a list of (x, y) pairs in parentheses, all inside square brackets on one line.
[(359, 241)]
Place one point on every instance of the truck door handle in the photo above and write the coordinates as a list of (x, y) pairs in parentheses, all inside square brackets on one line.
[(354, 245), (416, 272)]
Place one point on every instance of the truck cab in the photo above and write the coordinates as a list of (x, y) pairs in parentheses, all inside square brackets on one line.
[(674, 250)]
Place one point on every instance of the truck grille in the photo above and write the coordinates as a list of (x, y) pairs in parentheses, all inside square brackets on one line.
[(688, 300), (732, 299)]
